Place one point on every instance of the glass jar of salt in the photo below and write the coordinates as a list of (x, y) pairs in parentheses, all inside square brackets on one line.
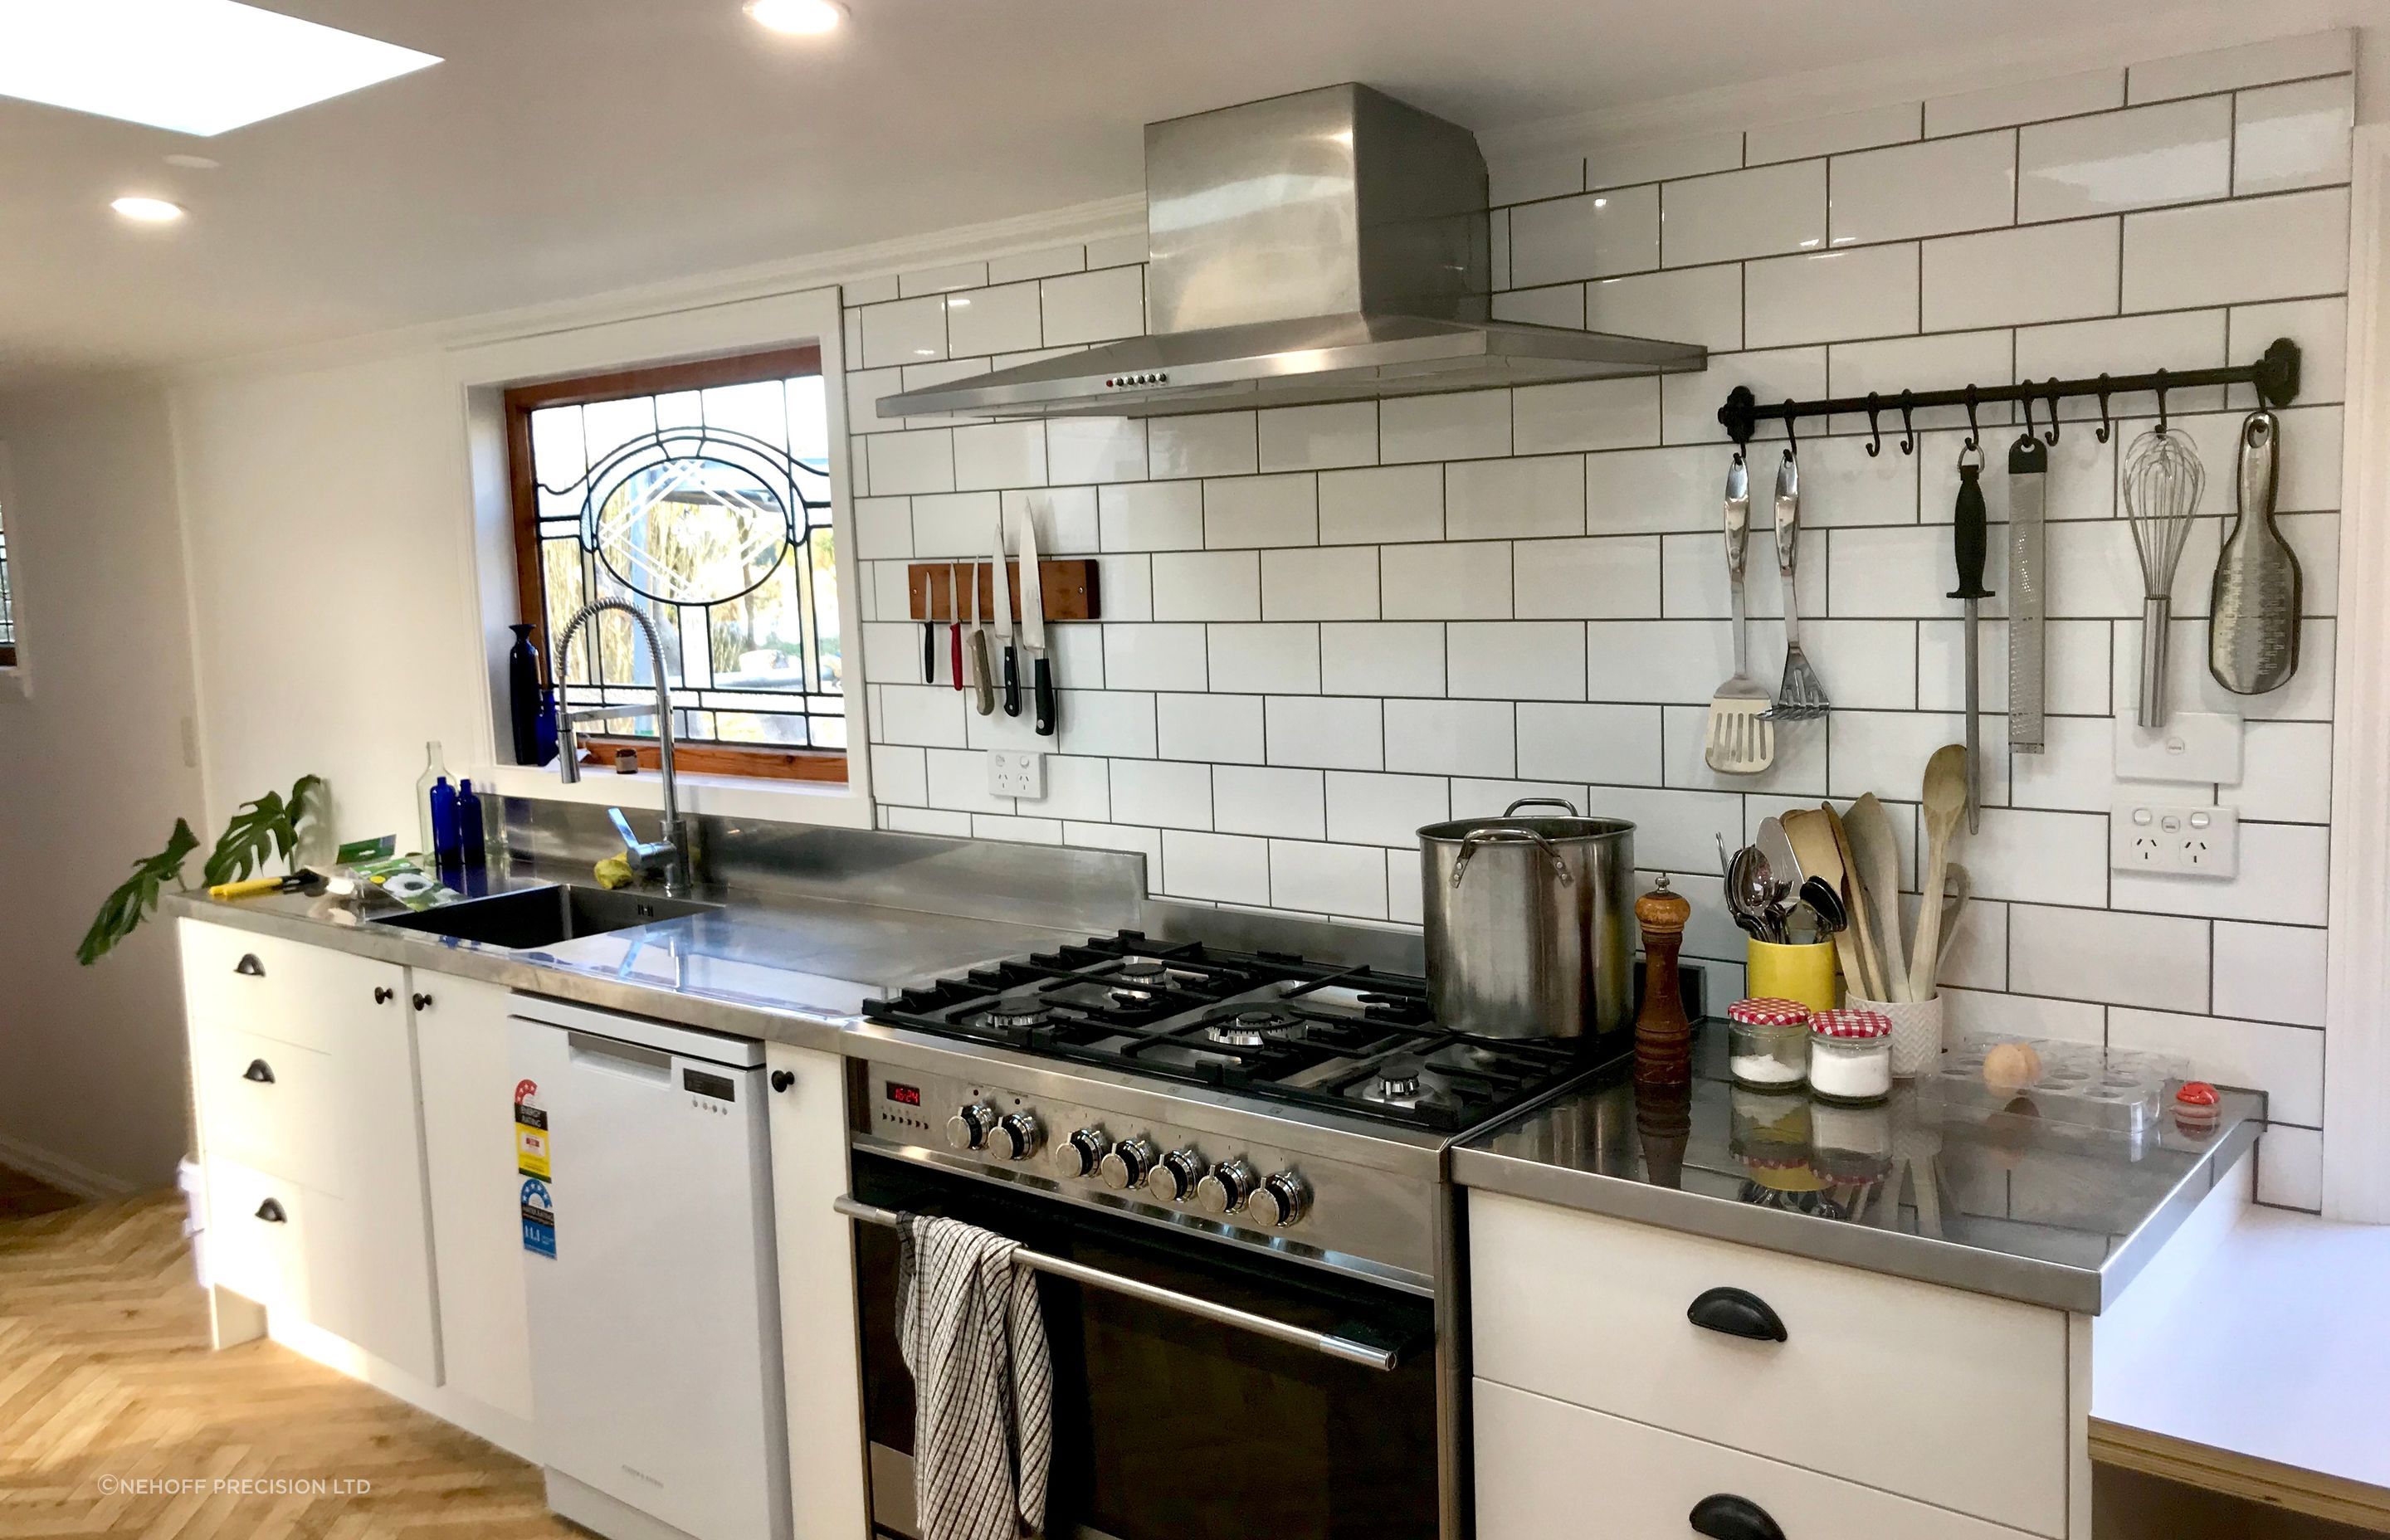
[(1850, 1056), (1768, 1044)]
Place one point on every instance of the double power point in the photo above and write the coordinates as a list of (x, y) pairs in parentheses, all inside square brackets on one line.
[(1016, 772), (2173, 838)]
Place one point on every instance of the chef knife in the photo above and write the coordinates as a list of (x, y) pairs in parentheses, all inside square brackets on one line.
[(2028, 493), (1969, 533), (954, 620), (982, 687), (1004, 599), (1033, 626)]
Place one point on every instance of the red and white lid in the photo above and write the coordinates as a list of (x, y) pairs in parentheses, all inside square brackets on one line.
[(1767, 1010), (1850, 1022)]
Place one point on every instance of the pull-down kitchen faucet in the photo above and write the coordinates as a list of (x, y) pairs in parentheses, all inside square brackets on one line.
[(667, 857)]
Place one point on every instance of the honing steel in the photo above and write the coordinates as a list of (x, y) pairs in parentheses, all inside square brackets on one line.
[(1033, 628), (1945, 798), (982, 678), (2028, 494), (2162, 478), (1802, 695), (1004, 602), (1741, 741), (1968, 532), (2252, 628)]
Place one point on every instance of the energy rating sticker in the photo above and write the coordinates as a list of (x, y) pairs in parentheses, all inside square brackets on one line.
[(531, 1142), (538, 1219)]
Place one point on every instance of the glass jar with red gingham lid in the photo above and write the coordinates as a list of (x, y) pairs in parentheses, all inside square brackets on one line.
[(1768, 1043), (1850, 1055)]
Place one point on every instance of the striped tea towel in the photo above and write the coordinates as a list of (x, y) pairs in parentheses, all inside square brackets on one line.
[(983, 1382)]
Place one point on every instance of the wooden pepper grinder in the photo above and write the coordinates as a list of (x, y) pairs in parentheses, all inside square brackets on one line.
[(1663, 1038)]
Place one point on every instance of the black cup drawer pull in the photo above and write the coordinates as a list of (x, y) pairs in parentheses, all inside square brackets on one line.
[(248, 966), (1724, 1516), (271, 1212), (1737, 1313), (259, 1072)]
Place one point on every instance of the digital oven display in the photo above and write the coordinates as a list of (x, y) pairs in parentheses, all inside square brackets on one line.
[(905, 1096)]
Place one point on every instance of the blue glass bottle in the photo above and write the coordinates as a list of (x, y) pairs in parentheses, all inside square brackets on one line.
[(447, 842), (471, 834)]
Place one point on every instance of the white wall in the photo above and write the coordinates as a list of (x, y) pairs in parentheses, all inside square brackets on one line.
[(92, 774)]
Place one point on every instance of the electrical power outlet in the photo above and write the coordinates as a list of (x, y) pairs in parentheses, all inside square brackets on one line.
[(1016, 772), (2173, 838)]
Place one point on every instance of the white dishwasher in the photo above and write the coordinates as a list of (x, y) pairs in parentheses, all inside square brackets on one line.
[(655, 1331)]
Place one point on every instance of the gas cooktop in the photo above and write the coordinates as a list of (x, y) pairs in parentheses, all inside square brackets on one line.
[(1277, 1028)]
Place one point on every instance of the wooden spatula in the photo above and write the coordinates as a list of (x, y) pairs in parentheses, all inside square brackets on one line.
[(1876, 856), (1854, 897), (1813, 844)]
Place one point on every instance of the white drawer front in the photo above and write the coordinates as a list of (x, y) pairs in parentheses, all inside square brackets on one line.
[(1955, 1398), (267, 1104), (256, 1240), (1546, 1468), (283, 990)]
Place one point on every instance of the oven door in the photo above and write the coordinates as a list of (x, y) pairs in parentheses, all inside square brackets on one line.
[(1168, 1425)]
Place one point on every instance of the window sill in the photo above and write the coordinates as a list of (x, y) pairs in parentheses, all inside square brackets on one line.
[(15, 685), (832, 803)]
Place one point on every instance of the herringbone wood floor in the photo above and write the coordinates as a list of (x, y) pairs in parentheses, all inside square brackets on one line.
[(106, 1376)]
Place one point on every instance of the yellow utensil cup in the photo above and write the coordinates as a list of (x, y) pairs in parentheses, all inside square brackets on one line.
[(1803, 973)]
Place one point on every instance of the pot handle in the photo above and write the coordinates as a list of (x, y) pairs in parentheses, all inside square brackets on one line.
[(1474, 837), (1542, 801)]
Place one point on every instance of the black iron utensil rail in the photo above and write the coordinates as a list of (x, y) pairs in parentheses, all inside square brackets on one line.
[(2275, 376)]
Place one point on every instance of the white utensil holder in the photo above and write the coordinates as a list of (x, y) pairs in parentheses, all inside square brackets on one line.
[(1916, 1032)]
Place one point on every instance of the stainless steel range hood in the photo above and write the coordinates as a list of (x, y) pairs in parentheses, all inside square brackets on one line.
[(1327, 246)]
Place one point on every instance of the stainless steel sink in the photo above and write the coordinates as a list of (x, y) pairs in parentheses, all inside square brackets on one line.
[(544, 916)]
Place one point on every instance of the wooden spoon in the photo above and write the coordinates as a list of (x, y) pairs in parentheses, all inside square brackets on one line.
[(1878, 871), (1813, 845), (1944, 799), (1855, 899)]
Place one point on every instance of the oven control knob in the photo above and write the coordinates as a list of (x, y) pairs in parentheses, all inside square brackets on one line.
[(1022, 1136), (1226, 1188), (1174, 1180), (1128, 1164), (969, 1129), (1081, 1153), (1282, 1200)]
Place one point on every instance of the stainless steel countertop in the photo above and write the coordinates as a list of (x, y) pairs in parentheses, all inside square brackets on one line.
[(2021, 1206), (779, 968)]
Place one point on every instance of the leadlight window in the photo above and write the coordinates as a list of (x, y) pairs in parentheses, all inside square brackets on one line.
[(701, 494), (7, 601)]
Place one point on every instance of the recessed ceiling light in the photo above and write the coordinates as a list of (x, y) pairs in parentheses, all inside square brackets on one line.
[(808, 18), (194, 66), (148, 210)]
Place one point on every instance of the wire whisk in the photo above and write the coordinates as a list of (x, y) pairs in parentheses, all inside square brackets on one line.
[(2163, 481)]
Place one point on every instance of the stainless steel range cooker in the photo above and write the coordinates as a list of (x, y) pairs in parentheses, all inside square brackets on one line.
[(1231, 1166)]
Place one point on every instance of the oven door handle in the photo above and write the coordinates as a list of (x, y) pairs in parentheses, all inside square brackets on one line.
[(1352, 1350)]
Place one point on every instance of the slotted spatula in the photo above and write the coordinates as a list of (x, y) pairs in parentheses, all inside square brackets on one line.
[(1741, 741)]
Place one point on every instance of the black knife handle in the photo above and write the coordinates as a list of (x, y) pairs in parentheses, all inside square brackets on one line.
[(929, 652), (1044, 690), (1011, 680), (1970, 534)]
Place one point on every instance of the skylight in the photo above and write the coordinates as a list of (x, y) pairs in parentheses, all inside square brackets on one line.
[(194, 66)]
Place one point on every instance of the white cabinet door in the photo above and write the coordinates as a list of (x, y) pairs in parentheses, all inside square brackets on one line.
[(468, 1146), (818, 1320)]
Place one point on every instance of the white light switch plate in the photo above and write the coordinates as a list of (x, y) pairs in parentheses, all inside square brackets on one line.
[(2202, 747), (2173, 838), (1016, 772)]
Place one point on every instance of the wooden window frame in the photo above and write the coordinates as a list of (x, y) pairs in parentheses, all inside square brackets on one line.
[(764, 762)]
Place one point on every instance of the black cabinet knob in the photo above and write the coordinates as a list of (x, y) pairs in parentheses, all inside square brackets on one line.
[(259, 1072), (422, 1001), (1736, 1313), (782, 1079), (271, 1212), (248, 966), (1727, 1516), (384, 994)]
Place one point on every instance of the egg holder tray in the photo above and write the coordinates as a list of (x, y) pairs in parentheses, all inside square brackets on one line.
[(2081, 1084)]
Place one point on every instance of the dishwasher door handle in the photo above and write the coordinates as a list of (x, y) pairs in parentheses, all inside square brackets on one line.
[(1368, 1355)]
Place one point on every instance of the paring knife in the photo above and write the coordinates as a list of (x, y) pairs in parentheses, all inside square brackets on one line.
[(1970, 531), (982, 685), (1004, 600), (2028, 493), (1033, 626)]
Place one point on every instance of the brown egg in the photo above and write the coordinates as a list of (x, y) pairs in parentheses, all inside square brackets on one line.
[(2011, 1066)]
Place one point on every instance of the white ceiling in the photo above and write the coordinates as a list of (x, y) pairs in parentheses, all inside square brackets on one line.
[(566, 147)]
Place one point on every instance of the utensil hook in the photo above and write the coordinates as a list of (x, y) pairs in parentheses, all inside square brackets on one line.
[(2106, 427), (1875, 433), (2160, 380), (2027, 400), (1907, 429), (1975, 439), (1791, 441), (2050, 438)]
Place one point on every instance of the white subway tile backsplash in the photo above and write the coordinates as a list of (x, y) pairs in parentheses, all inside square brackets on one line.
[(1207, 585), (1841, 484), (955, 524), (2269, 973), (1066, 517), (1387, 504), (1831, 296), (899, 775), (2282, 880), (1609, 745), (926, 820), (2030, 101), (1675, 831), (1325, 732), (1702, 305), (1938, 187), (928, 714), (1743, 214), (1162, 792), (1449, 737), (987, 321), (1103, 722), (1154, 656), (1094, 449), (1321, 583), (2076, 768), (941, 280), (903, 332), (1868, 665), (1127, 586), (1114, 251), (867, 291), (2126, 344), (1317, 438), (2292, 245), (2284, 1062), (1885, 753), (1696, 585), (1266, 659), (1381, 658), (1895, 572), (1255, 799), (1490, 499), (1228, 869), (2015, 277), (2318, 326), (1093, 307), (1980, 1012), (1076, 789), (915, 461), (1455, 582), (999, 455), (1558, 305), (2151, 960), (1517, 659), (883, 528), (1689, 403), (1468, 426), (1664, 662), (1518, 179), (1246, 511), (1617, 165), (2323, 53), (1154, 516), (1889, 365), (2035, 857), (2286, 773), (1798, 770), (1591, 235), (1835, 134), (1045, 263), (1223, 729), (1333, 879), (2180, 152), (1384, 810), (1212, 444), (1608, 577), (1586, 413), (1488, 799), (2294, 136), (2289, 1168), (1652, 491), (958, 782)]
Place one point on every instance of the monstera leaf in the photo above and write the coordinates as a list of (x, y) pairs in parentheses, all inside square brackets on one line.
[(269, 825), (131, 903)]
